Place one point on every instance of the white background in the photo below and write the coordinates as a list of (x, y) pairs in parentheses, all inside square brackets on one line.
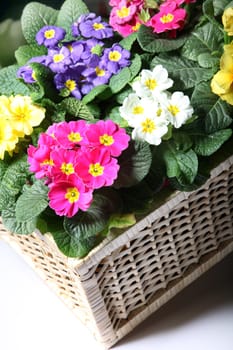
[(32, 317)]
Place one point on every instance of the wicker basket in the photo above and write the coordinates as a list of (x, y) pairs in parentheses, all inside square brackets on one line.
[(127, 278)]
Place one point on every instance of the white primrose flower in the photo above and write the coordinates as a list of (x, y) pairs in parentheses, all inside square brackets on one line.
[(178, 109), (150, 129), (135, 108), (152, 83)]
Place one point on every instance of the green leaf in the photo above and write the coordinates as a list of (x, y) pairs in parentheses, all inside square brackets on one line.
[(32, 23), (150, 42), (180, 163), (203, 100), (120, 80), (24, 53), (205, 39), (128, 41), (32, 202), (206, 60), (13, 180), (134, 163), (220, 5), (3, 168), (70, 11), (135, 66), (9, 84), (13, 225), (119, 221), (208, 144), (81, 231), (218, 117), (76, 108), (95, 92), (184, 72)]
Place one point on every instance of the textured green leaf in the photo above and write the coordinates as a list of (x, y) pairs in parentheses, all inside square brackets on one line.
[(13, 225), (70, 11), (76, 108), (150, 42), (96, 92), (220, 5), (134, 163), (13, 180), (203, 100), (205, 39), (32, 202), (24, 53), (81, 231), (135, 66), (218, 117), (208, 144), (31, 24), (184, 72), (128, 41), (181, 164), (9, 85), (120, 80)]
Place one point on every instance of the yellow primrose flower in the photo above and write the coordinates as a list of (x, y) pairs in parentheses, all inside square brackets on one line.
[(222, 82), (227, 20), (8, 139), (4, 107), (25, 115)]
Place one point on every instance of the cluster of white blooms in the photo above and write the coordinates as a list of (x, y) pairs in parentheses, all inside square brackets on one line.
[(151, 107)]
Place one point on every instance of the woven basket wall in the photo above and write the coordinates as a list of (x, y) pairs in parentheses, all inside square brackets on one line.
[(126, 279)]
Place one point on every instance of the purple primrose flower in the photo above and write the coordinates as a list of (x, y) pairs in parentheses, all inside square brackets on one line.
[(58, 60), (27, 74), (49, 36), (91, 26), (116, 58), (70, 80)]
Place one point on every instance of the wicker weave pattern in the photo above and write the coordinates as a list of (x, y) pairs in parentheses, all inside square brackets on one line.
[(123, 281)]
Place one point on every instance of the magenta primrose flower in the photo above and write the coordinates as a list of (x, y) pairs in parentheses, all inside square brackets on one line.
[(49, 36), (108, 135), (170, 17), (64, 163), (97, 168), (71, 134), (68, 196)]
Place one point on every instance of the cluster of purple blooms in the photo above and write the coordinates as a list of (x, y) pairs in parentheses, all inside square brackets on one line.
[(80, 64)]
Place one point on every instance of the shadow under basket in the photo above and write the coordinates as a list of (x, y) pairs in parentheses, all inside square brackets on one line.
[(126, 278)]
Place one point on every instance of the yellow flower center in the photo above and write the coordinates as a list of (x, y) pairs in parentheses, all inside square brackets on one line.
[(167, 18), (72, 194), (67, 168), (49, 34), (114, 56), (159, 112), (106, 140), (100, 72), (33, 75), (123, 12), (74, 137), (70, 47), (174, 110), (151, 84), (136, 27), (98, 26), (96, 169), (47, 162), (148, 126), (70, 84), (138, 110), (58, 58)]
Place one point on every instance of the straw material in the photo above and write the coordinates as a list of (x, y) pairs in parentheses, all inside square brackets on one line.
[(125, 279)]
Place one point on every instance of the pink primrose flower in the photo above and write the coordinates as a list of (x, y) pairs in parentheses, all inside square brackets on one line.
[(71, 134), (108, 135), (122, 13), (65, 163), (127, 28), (40, 161), (97, 168), (169, 17), (68, 196)]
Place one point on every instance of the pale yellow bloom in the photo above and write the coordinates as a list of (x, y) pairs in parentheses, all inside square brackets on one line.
[(4, 107), (8, 139), (227, 20), (222, 82), (25, 115)]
